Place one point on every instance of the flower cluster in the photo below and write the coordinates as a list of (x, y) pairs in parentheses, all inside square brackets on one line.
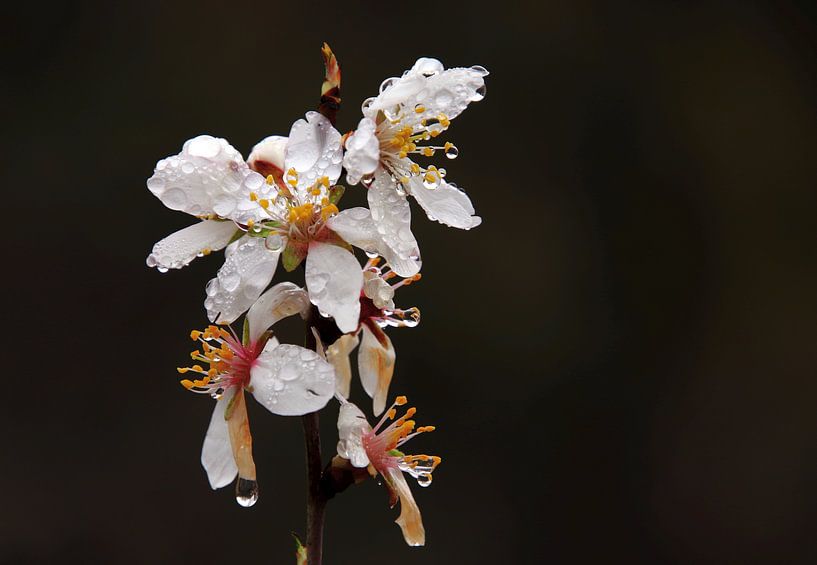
[(282, 205)]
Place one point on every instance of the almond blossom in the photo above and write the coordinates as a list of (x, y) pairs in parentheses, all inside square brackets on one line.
[(376, 355), (377, 449), (397, 125), (287, 380)]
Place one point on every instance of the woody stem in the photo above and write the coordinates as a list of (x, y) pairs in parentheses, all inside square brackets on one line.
[(316, 501)]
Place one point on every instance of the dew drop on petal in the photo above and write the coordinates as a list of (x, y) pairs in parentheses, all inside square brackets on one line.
[(452, 152), (386, 84), (204, 146), (246, 492), (230, 281), (480, 70), (367, 103), (156, 183), (479, 93), (253, 181), (188, 168), (274, 242)]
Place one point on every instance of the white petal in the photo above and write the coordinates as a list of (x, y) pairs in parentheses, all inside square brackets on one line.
[(392, 217), (410, 520), (208, 177), (447, 204), (375, 363), (362, 152), (352, 425), (356, 227), (268, 152), (217, 454), (282, 300), (178, 249), (334, 279), (314, 150), (290, 380), (247, 270), (337, 355)]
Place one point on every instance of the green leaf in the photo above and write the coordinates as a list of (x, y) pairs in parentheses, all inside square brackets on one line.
[(396, 453), (300, 550)]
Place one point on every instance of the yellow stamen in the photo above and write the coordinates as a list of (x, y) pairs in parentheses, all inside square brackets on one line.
[(400, 400), (270, 179)]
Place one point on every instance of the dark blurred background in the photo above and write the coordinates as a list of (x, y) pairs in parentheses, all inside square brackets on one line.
[(620, 360)]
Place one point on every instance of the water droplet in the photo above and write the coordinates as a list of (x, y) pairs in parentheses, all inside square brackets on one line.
[(479, 93), (204, 146), (443, 98), (188, 167), (387, 84), (452, 152), (442, 172), (162, 269), (431, 181), (480, 70), (175, 199), (424, 480), (393, 113), (367, 180), (366, 104), (246, 492), (274, 242), (254, 181), (156, 183), (230, 281), (372, 254)]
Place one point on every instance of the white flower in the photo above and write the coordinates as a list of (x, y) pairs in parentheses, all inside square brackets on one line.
[(377, 449), (376, 355), (282, 214), (288, 380), (409, 111)]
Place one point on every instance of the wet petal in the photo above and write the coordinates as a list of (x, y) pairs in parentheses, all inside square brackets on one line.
[(362, 152), (334, 279), (208, 177), (247, 270), (410, 520), (375, 362), (338, 356), (313, 150), (392, 219), (356, 227), (282, 300), (216, 454), (446, 204), (352, 425), (437, 90), (178, 249), (290, 380)]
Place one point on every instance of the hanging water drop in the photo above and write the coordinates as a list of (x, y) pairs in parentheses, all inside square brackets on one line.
[(424, 480), (367, 180), (479, 93), (162, 268), (246, 492), (451, 151)]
